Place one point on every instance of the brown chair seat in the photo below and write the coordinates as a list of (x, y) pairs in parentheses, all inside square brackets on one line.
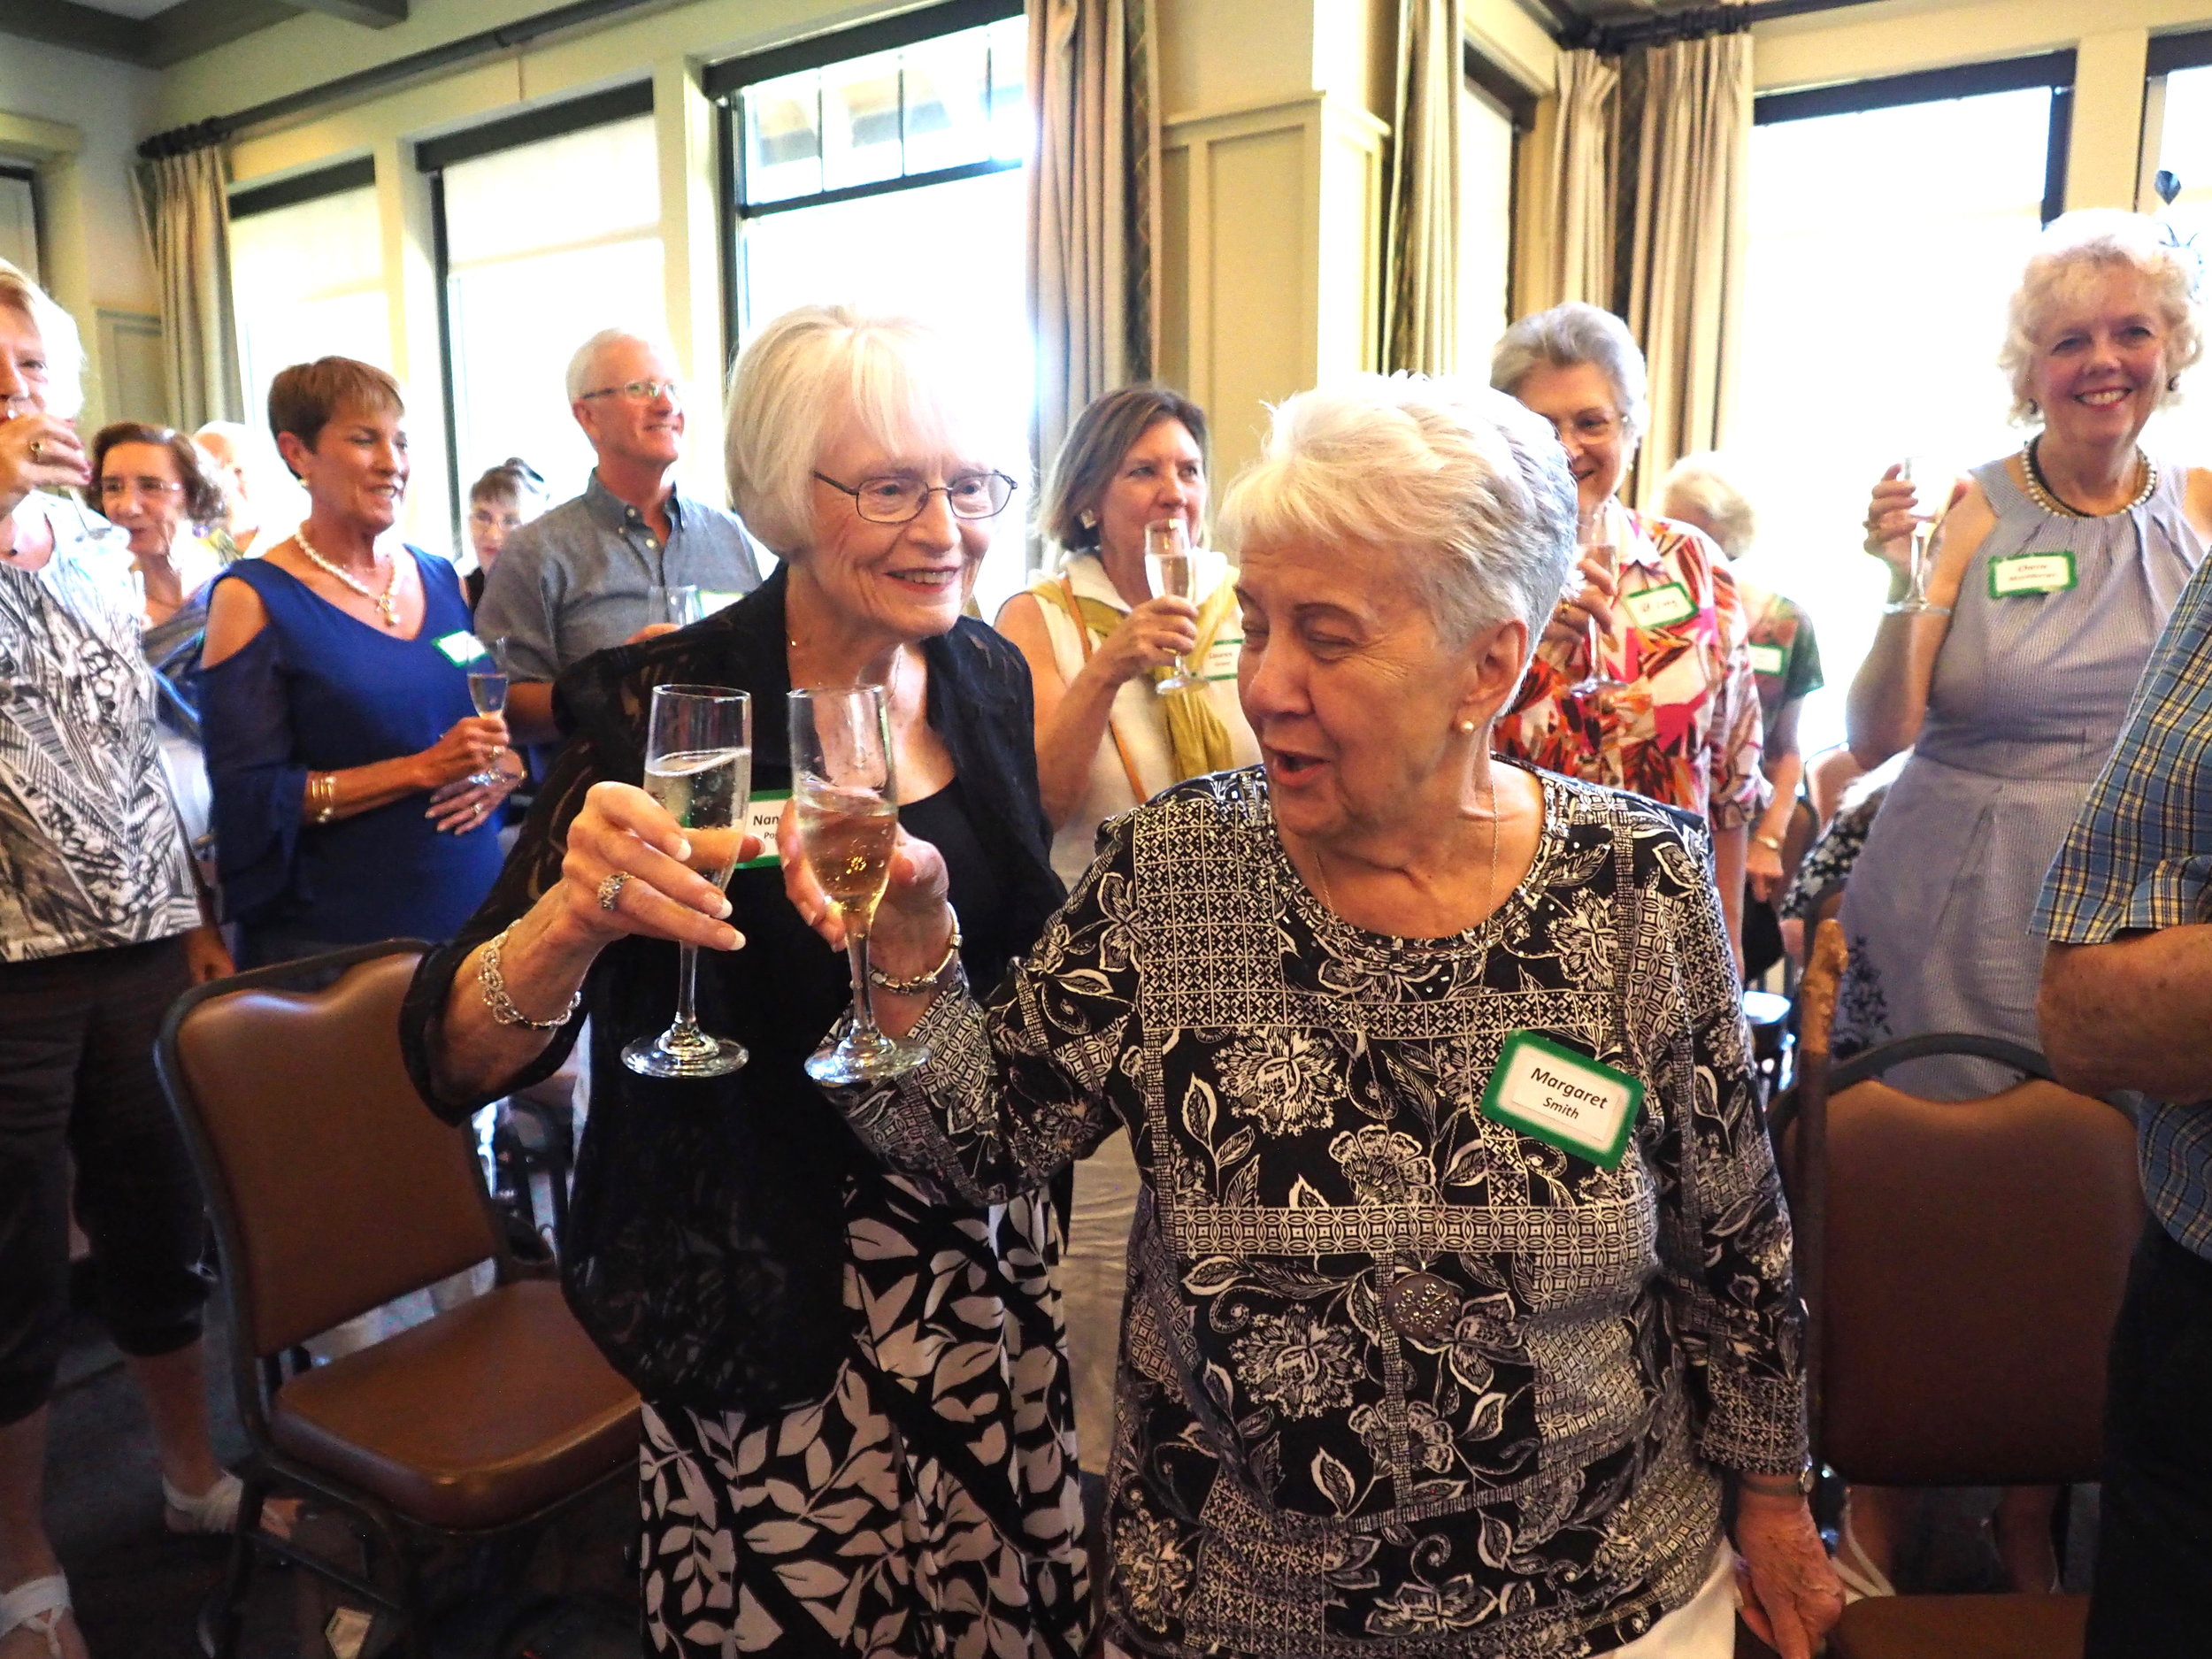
[(475, 1418), (1962, 1627)]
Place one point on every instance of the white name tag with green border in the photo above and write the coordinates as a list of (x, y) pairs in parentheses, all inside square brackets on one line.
[(2030, 574), (1769, 659), (1564, 1099), (762, 815), (462, 646), (1660, 607), (1221, 658)]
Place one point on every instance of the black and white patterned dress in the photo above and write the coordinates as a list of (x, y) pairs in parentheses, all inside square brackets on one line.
[(1293, 1475)]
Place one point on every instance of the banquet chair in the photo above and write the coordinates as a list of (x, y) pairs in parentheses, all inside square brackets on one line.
[(1963, 1261), (335, 1191)]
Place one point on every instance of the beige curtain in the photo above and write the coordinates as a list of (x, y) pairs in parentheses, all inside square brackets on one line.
[(1093, 207), (1421, 253), (1566, 226), (181, 208), (1686, 238)]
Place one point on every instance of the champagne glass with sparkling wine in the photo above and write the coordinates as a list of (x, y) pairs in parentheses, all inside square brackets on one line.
[(1931, 489), (1168, 562), (699, 767), (487, 690), (847, 799), (1596, 537)]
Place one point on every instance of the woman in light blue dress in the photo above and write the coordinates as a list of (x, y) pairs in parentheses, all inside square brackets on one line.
[(2054, 573)]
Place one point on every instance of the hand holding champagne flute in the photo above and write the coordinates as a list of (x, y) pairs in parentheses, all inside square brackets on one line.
[(1173, 575), (1597, 544), (1932, 492)]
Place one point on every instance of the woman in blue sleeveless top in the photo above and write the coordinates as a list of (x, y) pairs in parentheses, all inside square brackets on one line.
[(341, 738)]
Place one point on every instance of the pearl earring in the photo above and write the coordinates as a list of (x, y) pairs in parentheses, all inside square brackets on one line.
[(1467, 726), (2173, 383)]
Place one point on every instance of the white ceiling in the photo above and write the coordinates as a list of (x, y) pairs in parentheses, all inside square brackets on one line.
[(140, 8)]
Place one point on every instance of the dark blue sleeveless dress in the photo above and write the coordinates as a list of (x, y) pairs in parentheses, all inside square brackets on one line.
[(318, 690)]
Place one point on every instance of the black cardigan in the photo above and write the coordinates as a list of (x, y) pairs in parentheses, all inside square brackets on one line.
[(705, 1245)]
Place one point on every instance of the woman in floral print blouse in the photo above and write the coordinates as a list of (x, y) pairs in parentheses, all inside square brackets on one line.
[(1460, 1287), (1680, 723)]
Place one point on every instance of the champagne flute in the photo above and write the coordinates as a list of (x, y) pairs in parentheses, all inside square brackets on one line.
[(1932, 483), (1595, 538), (487, 690), (1169, 563), (678, 603), (699, 767), (843, 789)]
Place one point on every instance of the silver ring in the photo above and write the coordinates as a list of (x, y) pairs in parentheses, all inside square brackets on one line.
[(610, 889)]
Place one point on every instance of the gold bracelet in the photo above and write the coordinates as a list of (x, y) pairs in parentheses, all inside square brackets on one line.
[(493, 985), (322, 795), (1773, 842)]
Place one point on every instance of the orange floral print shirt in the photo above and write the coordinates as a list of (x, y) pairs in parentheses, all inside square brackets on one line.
[(1684, 727)]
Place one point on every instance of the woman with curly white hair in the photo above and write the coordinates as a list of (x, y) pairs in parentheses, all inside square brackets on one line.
[(1460, 1287), (2053, 572)]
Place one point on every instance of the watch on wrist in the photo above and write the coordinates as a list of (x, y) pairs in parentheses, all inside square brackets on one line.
[(1774, 1485)]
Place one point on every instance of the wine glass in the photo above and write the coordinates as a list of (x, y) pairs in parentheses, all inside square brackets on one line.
[(1932, 483), (699, 767), (487, 690), (1173, 571), (1596, 537), (842, 787), (677, 603)]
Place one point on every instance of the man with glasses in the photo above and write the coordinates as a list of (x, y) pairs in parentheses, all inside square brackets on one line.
[(581, 578)]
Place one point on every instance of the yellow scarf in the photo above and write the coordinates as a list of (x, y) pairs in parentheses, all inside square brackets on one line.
[(1196, 739)]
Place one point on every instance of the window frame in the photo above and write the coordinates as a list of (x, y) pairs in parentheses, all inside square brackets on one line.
[(28, 174), (337, 179), (1491, 81)]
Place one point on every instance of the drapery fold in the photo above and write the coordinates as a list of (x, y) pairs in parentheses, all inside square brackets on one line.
[(1421, 249), (1093, 208), (182, 209), (1570, 226)]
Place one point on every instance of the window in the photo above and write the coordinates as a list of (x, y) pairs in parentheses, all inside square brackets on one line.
[(1495, 110), (882, 166), (2178, 119), (19, 220), (307, 276), (1858, 347), (545, 241)]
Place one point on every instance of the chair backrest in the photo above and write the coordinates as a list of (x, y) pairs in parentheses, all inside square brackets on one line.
[(1972, 1262), (335, 1189)]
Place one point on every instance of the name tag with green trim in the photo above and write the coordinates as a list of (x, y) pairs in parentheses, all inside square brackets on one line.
[(1221, 658), (1769, 659), (1566, 1099), (462, 646), (761, 814), (1659, 607), (2030, 574)]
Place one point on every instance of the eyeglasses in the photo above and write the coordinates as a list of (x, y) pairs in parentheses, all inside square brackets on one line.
[(897, 499), (638, 391), (112, 489), (1590, 426)]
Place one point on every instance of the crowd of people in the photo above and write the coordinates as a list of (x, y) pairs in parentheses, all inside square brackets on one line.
[(1331, 1210)]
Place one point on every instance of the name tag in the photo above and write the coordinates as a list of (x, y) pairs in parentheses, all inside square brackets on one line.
[(1658, 607), (713, 599), (1564, 1099), (1221, 658), (2030, 574), (1769, 659), (462, 647), (763, 812)]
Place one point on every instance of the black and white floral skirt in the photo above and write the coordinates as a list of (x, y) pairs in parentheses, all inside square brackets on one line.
[(928, 1507)]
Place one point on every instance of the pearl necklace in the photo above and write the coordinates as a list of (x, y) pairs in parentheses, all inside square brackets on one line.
[(2039, 492), (387, 602)]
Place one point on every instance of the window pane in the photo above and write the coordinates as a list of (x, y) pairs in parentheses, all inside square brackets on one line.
[(602, 181), (948, 102), (1486, 209), (860, 112), (1009, 77), (2185, 149), (1857, 354), (783, 137), (307, 281)]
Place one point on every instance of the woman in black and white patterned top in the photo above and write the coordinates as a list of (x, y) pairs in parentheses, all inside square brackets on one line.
[(1460, 1285)]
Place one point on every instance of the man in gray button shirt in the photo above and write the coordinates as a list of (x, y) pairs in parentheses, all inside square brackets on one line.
[(576, 580)]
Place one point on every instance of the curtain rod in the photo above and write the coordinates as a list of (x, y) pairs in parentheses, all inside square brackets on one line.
[(179, 139), (1691, 23)]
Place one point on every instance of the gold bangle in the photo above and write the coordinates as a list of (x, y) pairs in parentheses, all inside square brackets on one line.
[(322, 795), (1771, 841)]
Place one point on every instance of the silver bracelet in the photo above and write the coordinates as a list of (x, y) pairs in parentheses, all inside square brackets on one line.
[(493, 985), (921, 984)]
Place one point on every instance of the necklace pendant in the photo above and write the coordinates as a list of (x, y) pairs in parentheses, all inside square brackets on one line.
[(1422, 1307)]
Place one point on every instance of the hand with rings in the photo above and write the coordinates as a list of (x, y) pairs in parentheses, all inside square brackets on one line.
[(465, 805), (630, 869)]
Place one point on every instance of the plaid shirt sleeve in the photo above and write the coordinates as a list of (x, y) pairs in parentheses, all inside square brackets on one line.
[(2140, 855)]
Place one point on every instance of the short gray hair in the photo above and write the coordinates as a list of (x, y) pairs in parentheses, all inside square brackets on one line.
[(1468, 487), (817, 365), (1570, 334), (587, 358), (1702, 483), (2076, 248), (58, 332)]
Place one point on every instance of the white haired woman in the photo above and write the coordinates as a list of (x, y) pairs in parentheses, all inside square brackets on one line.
[(1461, 1290), (1669, 707), (858, 1435), (2053, 574)]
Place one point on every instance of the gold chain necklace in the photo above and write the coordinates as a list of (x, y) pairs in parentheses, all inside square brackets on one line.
[(387, 602), (2043, 496)]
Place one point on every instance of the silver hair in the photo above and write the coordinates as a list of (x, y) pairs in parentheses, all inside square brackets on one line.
[(812, 369), (58, 332), (1704, 485), (1467, 486), (1570, 334), (2076, 248), (587, 358)]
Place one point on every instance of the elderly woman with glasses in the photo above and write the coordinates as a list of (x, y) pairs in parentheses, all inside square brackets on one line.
[(1643, 678), (1460, 1291), (859, 1437)]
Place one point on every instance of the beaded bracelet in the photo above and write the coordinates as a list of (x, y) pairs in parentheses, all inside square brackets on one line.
[(922, 983), (493, 985)]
